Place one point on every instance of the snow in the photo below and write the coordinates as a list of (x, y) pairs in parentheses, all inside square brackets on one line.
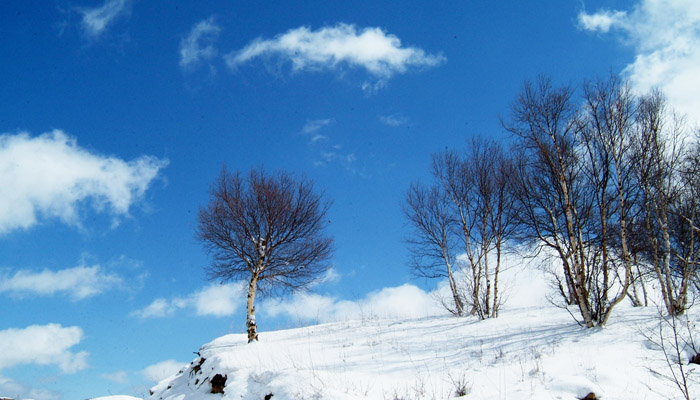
[(116, 398), (528, 352), (533, 350)]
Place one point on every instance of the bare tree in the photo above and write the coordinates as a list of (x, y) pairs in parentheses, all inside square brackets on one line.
[(588, 176), (555, 204), (668, 175), (691, 213), (432, 241), (501, 216), (490, 169), (267, 229), (573, 187), (606, 129), (466, 209), (453, 175)]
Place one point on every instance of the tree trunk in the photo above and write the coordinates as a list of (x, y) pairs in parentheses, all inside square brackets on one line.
[(670, 300), (476, 270), (459, 307), (644, 288), (487, 276), (476, 279), (625, 254), (250, 310), (578, 274), (494, 309)]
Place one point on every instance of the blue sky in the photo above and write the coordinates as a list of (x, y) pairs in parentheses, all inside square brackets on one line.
[(117, 115)]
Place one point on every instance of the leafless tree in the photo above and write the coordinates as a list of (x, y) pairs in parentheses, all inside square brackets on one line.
[(555, 204), (691, 212), (266, 229), (606, 128), (464, 211), (609, 186), (668, 175), (432, 244), (487, 163), (451, 173)]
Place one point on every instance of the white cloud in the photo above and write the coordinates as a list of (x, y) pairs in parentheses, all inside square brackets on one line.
[(394, 120), (96, 20), (372, 49), (521, 284), (164, 369), (160, 308), (601, 21), (16, 390), (198, 45), (42, 345), (405, 301), (219, 300), (118, 377), (78, 282), (214, 300), (50, 176), (309, 306), (666, 39)]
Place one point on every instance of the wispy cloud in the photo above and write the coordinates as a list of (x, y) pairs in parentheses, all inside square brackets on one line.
[(198, 45), (42, 345), (213, 300), (394, 120), (50, 176), (328, 151), (335, 156), (346, 159), (331, 276), (601, 21), (96, 20), (158, 372), (318, 138), (666, 39), (313, 126), (372, 49), (79, 282)]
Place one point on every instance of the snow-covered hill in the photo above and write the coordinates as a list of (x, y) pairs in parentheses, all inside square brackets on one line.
[(526, 353)]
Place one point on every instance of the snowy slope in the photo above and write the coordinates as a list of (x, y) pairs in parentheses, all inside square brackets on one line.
[(526, 353)]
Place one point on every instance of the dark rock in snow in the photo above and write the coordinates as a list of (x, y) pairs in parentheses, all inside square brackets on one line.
[(695, 359), (217, 383)]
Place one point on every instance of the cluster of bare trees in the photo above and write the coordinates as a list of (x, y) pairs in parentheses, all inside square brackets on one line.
[(606, 180), (465, 211), (668, 165)]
